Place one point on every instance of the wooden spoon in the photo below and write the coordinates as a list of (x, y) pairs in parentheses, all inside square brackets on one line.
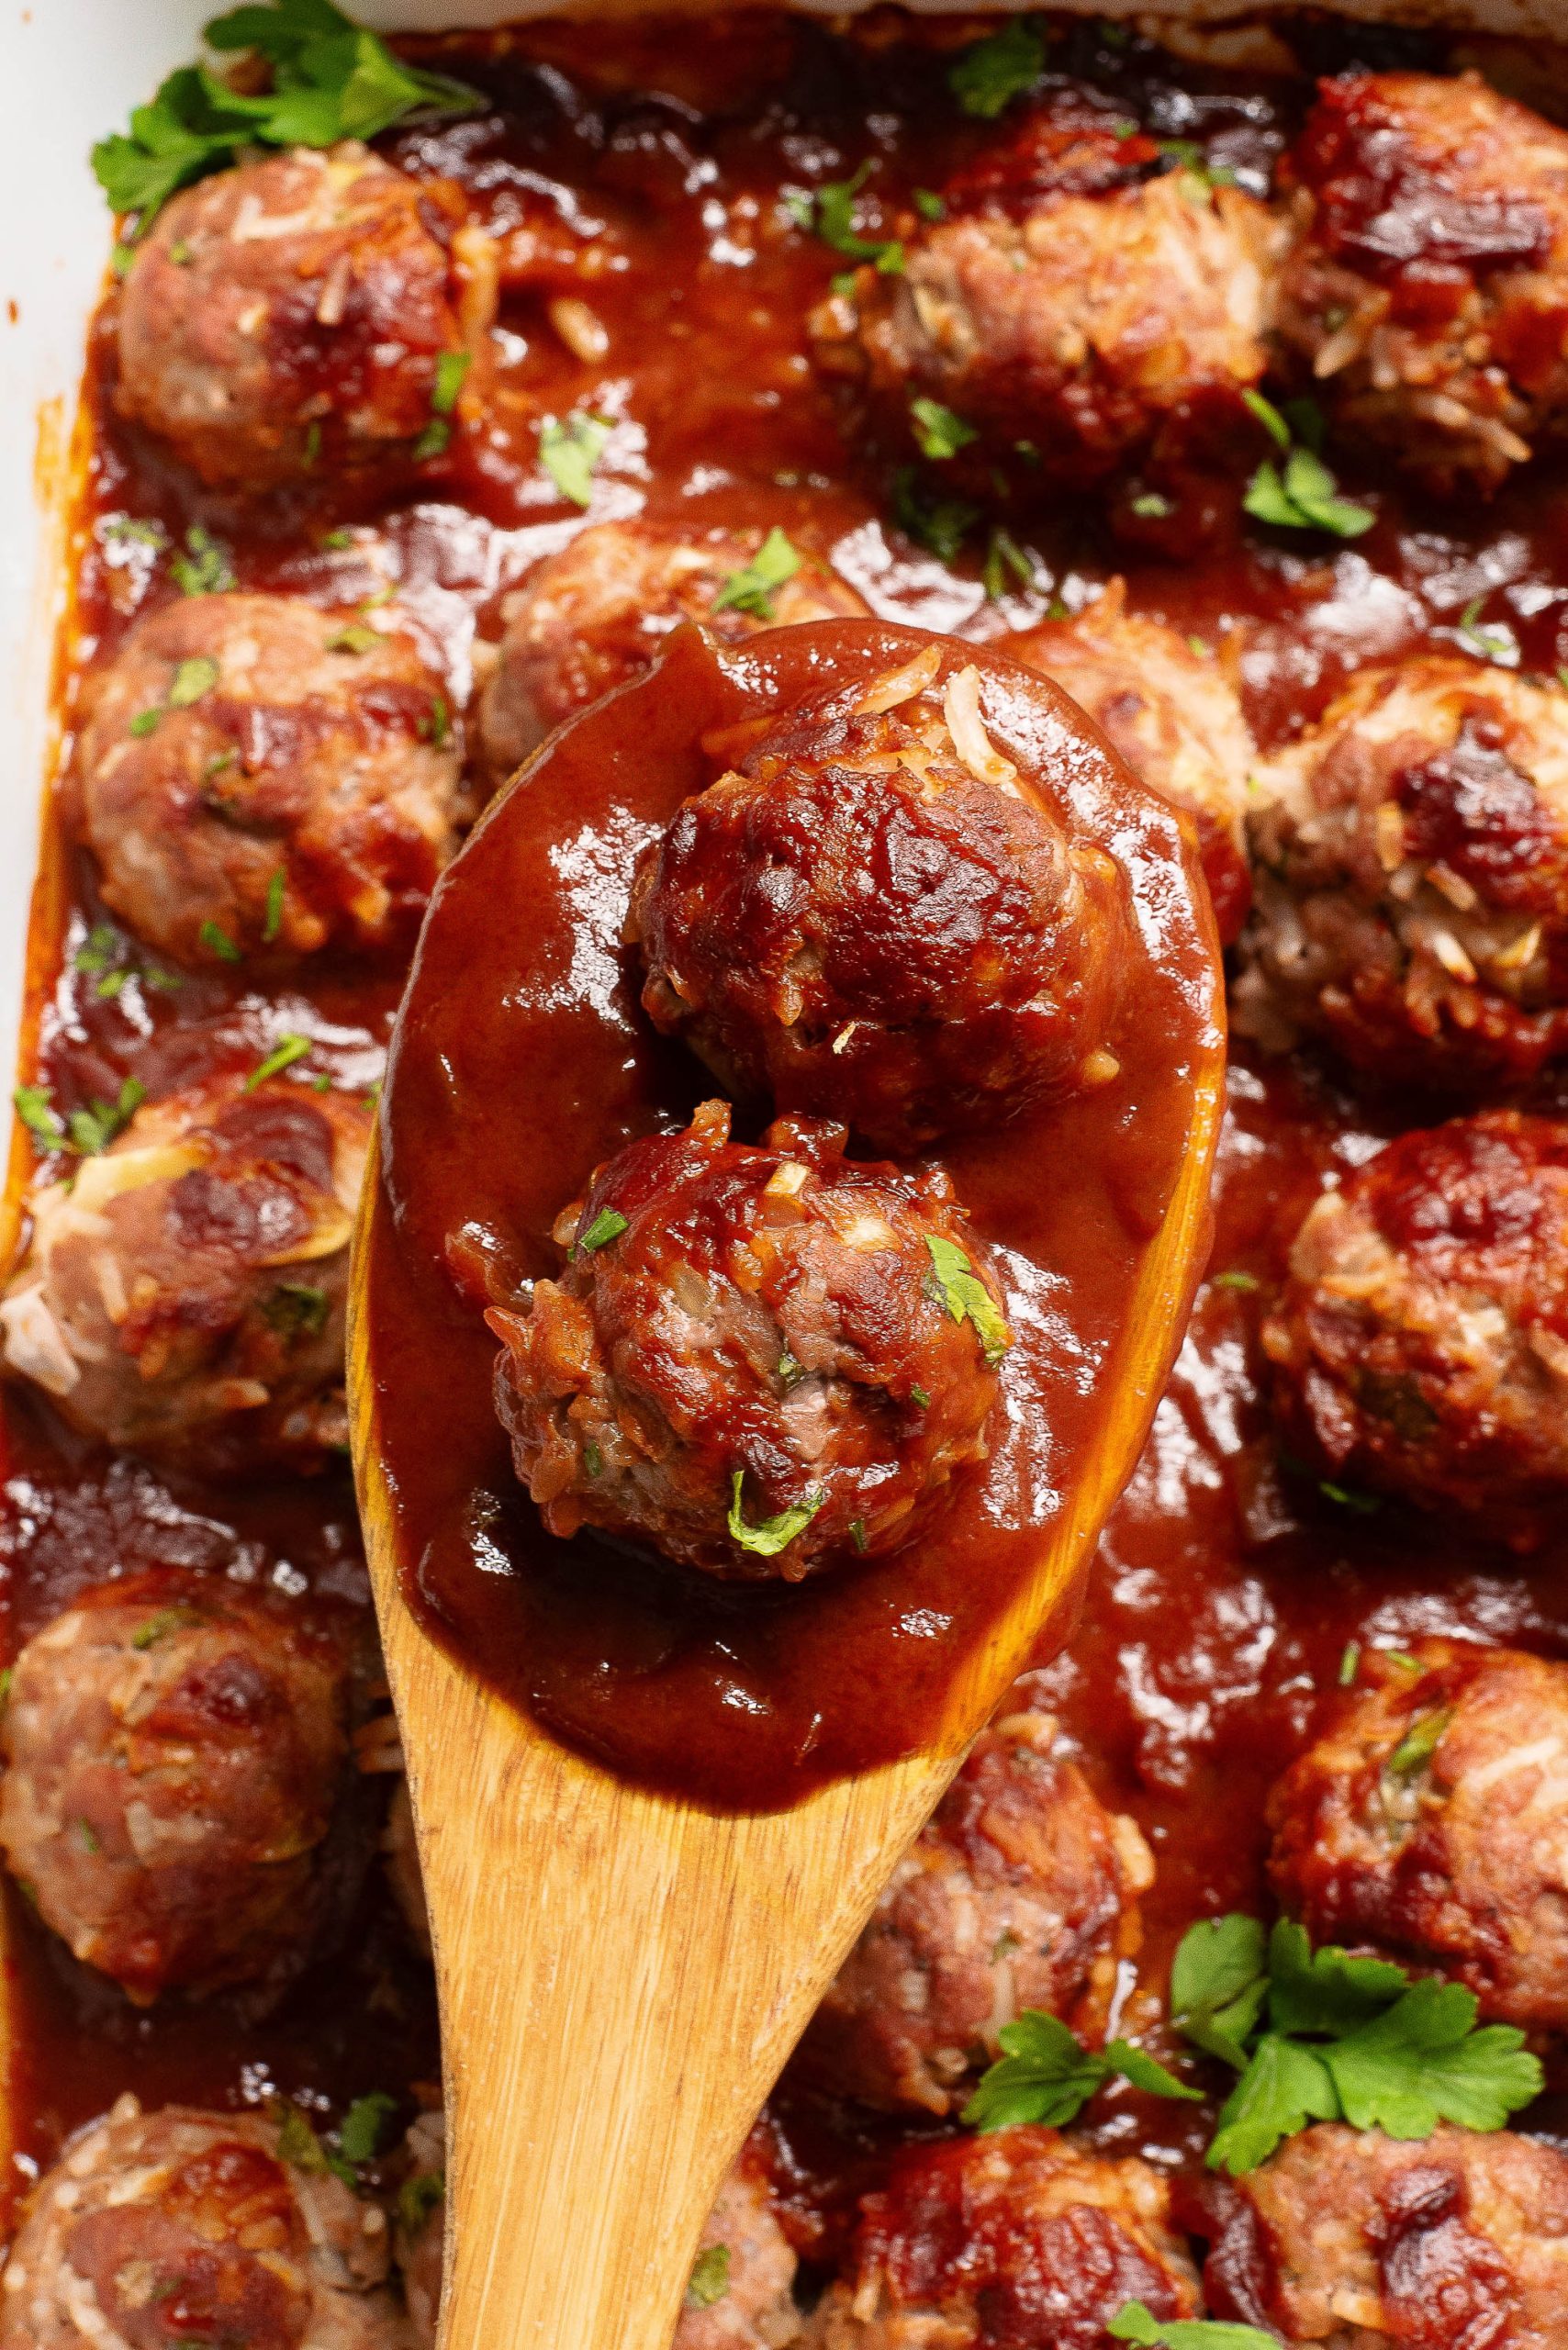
[(622, 1976)]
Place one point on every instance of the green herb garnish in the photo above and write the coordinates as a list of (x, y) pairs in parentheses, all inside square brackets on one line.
[(569, 449), (709, 2277), (355, 636), (1493, 642), (995, 70), (940, 433), (752, 589), (217, 941), (1302, 494), (937, 523), (1134, 2322), (1004, 554), (418, 2197), (608, 1226), (283, 1054), (450, 370), (1046, 2074), (773, 1533), (364, 2125), (92, 1129), (273, 922), (829, 213), (158, 1627), (967, 1297), (204, 569), (193, 677)]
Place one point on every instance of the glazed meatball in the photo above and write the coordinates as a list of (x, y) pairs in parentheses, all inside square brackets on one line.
[(260, 778), (1021, 1893), (594, 614), (752, 1358), (740, 2297), (402, 1853), (1086, 310), (183, 1293), (1428, 1822), (1357, 2242), (285, 321), (866, 919), (1171, 713), (175, 1750), (1411, 881), (158, 2231), (1425, 284), (1010, 2240), (1421, 1343)]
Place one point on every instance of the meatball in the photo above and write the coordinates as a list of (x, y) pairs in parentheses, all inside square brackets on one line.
[(1021, 1893), (1009, 2240), (594, 615), (761, 1360), (157, 2230), (402, 1853), (1411, 882), (175, 1752), (1426, 284), (1420, 1342), (286, 321), (1429, 1822), (259, 777), (1171, 713), (740, 2297), (183, 1294), (1358, 2241), (867, 919), (1086, 312)]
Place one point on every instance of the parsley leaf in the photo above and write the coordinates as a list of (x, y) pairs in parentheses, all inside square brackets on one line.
[(418, 2197), (1136, 2323), (364, 2124), (829, 213), (1219, 1980), (157, 1627), (285, 1053), (217, 941), (193, 677), (569, 449), (277, 886), (331, 80), (1284, 2089), (608, 1226), (1423, 2062), (204, 569), (1493, 642), (939, 431), (967, 1297), (994, 72), (937, 523), (34, 1107), (450, 370), (710, 2277), (773, 1533), (92, 1129), (1046, 2074), (1304, 497), (1004, 554), (751, 590)]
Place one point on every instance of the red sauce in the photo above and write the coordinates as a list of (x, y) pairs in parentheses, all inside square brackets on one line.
[(1227, 1585)]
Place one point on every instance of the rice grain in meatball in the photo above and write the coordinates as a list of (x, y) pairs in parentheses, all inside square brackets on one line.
[(1352, 2240), (177, 1757), (1429, 1822), (1007, 2241), (1421, 1343), (260, 778), (1171, 713), (284, 321), (183, 1294), (1411, 880), (866, 918), (1022, 1892), (160, 2230), (1425, 284), (1085, 310), (750, 1358), (594, 615)]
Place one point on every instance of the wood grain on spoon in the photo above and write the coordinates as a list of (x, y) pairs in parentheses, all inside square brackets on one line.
[(621, 1973)]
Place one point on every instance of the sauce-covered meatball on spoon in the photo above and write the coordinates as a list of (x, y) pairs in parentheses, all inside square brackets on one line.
[(722, 1461)]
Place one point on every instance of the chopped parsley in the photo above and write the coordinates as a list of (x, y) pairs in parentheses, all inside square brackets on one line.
[(829, 213), (920, 1397), (144, 723), (608, 1226), (1418, 1745), (965, 1296), (99, 950), (1348, 1497), (436, 726), (88, 1837), (1153, 506), (363, 2126), (1134, 2322), (1300, 494), (1322, 2036), (92, 1129), (6, 1677), (217, 941), (295, 1310), (857, 1532), (285, 1053), (1349, 1664), (193, 677), (158, 1627), (299, 2145), (204, 569), (1191, 159), (435, 438), (418, 2197), (773, 1533), (569, 449), (274, 920), (331, 80), (1491, 641), (1004, 554), (752, 589), (355, 636), (132, 529), (1046, 2074), (929, 204), (992, 72), (37, 1113), (1237, 1281), (939, 431), (709, 2279), (937, 523), (450, 370)]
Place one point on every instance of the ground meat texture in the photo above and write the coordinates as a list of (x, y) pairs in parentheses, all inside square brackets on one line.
[(1430, 1821), (1421, 1343), (1091, 313), (158, 2231), (594, 615), (285, 322), (1012, 2241), (867, 919), (1426, 285), (1172, 712), (1021, 1893), (1411, 880), (259, 778), (175, 1750), (748, 1359), (740, 2297), (1358, 2241), (183, 1294)]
